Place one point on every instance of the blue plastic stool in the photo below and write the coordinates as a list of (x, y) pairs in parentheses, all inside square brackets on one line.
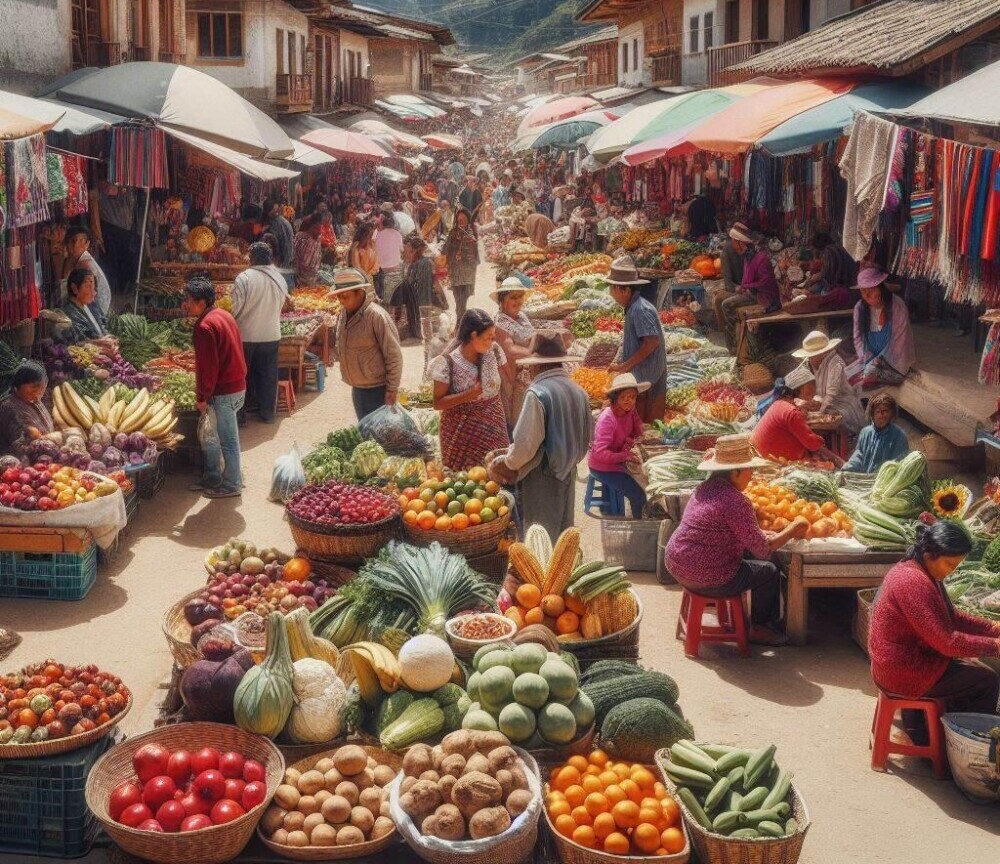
[(610, 502)]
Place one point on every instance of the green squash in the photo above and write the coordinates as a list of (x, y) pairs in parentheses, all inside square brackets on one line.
[(264, 698)]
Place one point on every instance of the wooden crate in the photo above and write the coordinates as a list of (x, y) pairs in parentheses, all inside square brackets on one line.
[(292, 356), (56, 540)]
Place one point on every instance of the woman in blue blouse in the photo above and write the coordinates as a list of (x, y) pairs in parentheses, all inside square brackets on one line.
[(881, 441)]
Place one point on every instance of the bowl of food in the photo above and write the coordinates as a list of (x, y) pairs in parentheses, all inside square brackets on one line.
[(468, 633)]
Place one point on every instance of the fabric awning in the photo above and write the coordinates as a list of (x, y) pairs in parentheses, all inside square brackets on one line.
[(972, 99), (61, 118), (391, 174), (309, 157), (560, 109), (14, 125), (345, 144), (257, 168)]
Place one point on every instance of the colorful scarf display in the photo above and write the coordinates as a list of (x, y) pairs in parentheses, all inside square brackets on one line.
[(27, 181), (138, 157)]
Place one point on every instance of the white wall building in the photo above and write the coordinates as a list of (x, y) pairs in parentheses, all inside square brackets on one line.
[(34, 43)]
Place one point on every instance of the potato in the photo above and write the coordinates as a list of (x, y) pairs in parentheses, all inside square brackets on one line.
[(293, 821), (437, 756), (487, 742), (364, 780), (453, 765), (297, 838), (372, 799), (383, 825), (418, 759), (520, 778), (332, 779), (506, 781), (280, 836), (446, 785), (372, 763), (310, 783), (272, 819), (307, 805), (349, 791), (292, 776), (349, 836), (323, 835), (321, 796), (422, 800), (336, 809), (477, 763), (517, 802), (384, 775), (384, 810), (489, 823), (363, 819), (461, 742), (474, 792), (324, 765), (287, 796), (433, 776), (312, 820), (503, 758), (446, 823), (350, 760), (407, 784)]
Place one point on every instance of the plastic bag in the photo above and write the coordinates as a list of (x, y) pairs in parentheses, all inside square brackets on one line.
[(288, 476), (208, 429), (394, 428)]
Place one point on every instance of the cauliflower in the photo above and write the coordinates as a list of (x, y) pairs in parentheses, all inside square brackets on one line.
[(321, 699)]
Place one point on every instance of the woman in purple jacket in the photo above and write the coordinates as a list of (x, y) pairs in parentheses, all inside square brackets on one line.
[(616, 431)]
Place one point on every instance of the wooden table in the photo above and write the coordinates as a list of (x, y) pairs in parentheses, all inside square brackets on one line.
[(834, 434), (821, 321), (807, 570)]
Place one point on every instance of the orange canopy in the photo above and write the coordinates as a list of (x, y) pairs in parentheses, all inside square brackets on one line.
[(737, 128)]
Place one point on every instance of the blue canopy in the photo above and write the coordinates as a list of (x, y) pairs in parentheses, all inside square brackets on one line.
[(830, 120)]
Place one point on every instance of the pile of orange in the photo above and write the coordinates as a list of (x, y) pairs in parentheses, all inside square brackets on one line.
[(776, 507), (453, 503), (615, 807)]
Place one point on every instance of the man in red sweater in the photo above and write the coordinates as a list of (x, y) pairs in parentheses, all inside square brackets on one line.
[(220, 386)]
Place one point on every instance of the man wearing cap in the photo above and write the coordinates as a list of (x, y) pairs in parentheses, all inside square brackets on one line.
[(371, 361), (719, 550), (834, 392), (733, 256), (782, 432), (551, 436), (643, 351)]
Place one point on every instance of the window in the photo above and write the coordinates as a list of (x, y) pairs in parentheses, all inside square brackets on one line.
[(279, 45), (292, 66), (761, 20), (220, 35), (624, 56), (709, 30), (693, 34), (302, 54), (635, 54), (732, 21)]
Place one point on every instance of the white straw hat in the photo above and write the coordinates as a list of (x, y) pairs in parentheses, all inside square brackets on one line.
[(510, 285), (814, 344), (732, 452), (736, 234), (626, 381), (348, 279)]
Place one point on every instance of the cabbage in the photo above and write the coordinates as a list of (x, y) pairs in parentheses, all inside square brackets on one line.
[(367, 458), (137, 442), (135, 459), (42, 447), (121, 441), (76, 444), (95, 466), (96, 451), (113, 457), (9, 462)]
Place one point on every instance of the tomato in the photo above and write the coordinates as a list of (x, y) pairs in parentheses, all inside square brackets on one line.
[(47, 717), (231, 765), (205, 759), (226, 811), (150, 761), (124, 795), (254, 793), (253, 772), (52, 672), (135, 814), (158, 791), (170, 815), (26, 717)]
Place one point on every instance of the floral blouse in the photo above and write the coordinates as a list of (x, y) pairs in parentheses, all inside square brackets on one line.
[(463, 375)]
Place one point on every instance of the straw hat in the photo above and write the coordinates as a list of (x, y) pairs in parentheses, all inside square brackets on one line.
[(814, 344), (510, 285), (624, 272), (547, 346), (737, 234), (798, 377), (348, 279), (732, 452), (871, 277), (626, 381)]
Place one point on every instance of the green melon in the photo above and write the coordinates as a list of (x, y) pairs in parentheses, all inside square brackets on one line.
[(472, 686), (562, 681), (582, 708), (517, 722), (482, 652), (503, 657), (529, 657), (531, 690), (556, 724), (479, 721), (496, 687)]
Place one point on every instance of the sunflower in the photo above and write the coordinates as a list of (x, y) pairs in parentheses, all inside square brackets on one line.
[(949, 498)]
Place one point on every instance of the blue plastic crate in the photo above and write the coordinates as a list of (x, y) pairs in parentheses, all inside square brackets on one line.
[(48, 575), (43, 810)]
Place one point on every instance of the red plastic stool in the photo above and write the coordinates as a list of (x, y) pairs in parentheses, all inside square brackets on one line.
[(286, 396), (882, 744), (732, 626)]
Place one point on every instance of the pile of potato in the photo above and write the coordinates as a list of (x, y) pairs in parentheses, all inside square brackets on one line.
[(472, 785), (341, 801)]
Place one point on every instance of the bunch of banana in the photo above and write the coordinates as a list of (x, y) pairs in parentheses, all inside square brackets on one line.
[(376, 670), (142, 413)]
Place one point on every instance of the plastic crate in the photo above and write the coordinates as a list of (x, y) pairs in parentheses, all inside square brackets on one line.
[(48, 575), (315, 373), (630, 543), (43, 810)]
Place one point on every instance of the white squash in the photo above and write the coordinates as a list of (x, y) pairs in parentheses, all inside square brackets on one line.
[(426, 662)]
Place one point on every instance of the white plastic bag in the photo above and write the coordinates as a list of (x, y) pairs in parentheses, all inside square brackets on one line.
[(208, 429), (288, 476)]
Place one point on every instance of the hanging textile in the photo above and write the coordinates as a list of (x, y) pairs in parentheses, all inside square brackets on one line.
[(989, 366), (19, 298), (77, 198), (138, 157), (865, 166), (27, 181), (58, 187)]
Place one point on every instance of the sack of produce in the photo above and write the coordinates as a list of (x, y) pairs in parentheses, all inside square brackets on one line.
[(392, 427), (288, 476)]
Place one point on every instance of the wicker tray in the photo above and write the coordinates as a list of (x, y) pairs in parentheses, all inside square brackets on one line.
[(351, 545), (601, 355), (623, 645), (717, 849), (208, 846), (338, 853), (178, 632), (863, 617), (67, 744), (471, 542)]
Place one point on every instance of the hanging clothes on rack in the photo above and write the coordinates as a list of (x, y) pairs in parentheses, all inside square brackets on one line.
[(138, 157)]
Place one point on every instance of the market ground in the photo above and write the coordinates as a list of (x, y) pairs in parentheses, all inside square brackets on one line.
[(814, 702)]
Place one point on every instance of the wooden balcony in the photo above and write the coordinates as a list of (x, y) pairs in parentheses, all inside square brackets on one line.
[(358, 91), (666, 68), (170, 57), (426, 82), (293, 93), (601, 79), (114, 53), (721, 58)]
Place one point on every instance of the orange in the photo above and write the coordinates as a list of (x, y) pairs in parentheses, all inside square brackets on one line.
[(443, 523), (441, 500), (650, 815), (534, 616), (631, 790), (650, 802), (646, 838), (473, 506), (671, 812), (552, 797), (516, 615), (565, 825), (403, 500), (563, 778), (559, 808), (659, 790), (459, 521), (578, 762), (584, 835), (621, 769), (529, 596), (593, 770), (672, 840), (576, 795), (609, 778), (599, 758), (604, 824), (643, 777), (581, 816), (475, 519), (661, 851), (626, 814), (417, 506), (409, 517), (426, 520), (596, 803), (616, 844), (615, 794), (590, 783), (503, 511)]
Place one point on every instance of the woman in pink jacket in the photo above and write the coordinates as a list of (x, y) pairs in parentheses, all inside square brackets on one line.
[(617, 429)]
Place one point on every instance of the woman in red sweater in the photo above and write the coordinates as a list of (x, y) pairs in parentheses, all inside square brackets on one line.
[(783, 432), (919, 642)]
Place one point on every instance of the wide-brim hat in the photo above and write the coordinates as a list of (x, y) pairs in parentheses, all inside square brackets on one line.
[(626, 381), (871, 277), (385, 207), (732, 453), (510, 285), (814, 344), (547, 347), (348, 279), (624, 272), (736, 234)]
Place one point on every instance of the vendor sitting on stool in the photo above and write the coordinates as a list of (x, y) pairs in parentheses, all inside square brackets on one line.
[(719, 550), (617, 429), (783, 433), (23, 417), (834, 392), (84, 314), (881, 441), (918, 640)]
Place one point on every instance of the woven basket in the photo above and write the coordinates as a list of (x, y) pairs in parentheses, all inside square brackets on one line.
[(623, 645), (298, 752), (64, 745), (349, 545), (338, 853), (757, 378), (466, 648), (573, 853), (862, 620), (717, 849), (210, 845), (178, 632), (601, 355), (334, 573), (471, 542), (701, 443), (556, 755), (19, 335)]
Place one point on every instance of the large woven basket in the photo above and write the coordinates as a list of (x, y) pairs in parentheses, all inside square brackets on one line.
[(717, 849), (556, 755), (178, 632), (472, 541), (210, 845), (338, 853), (347, 545), (601, 354), (67, 744), (623, 645), (757, 378), (863, 617)]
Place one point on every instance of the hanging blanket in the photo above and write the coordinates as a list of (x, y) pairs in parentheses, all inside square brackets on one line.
[(865, 166), (27, 181)]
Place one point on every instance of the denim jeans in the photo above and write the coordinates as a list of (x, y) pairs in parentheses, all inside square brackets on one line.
[(262, 376), (626, 484), (222, 463), (367, 400)]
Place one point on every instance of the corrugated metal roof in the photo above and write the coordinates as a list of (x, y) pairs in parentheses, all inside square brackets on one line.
[(605, 34), (880, 37)]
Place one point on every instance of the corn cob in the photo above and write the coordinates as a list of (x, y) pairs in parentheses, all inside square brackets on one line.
[(537, 539), (526, 564), (561, 566), (623, 610)]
